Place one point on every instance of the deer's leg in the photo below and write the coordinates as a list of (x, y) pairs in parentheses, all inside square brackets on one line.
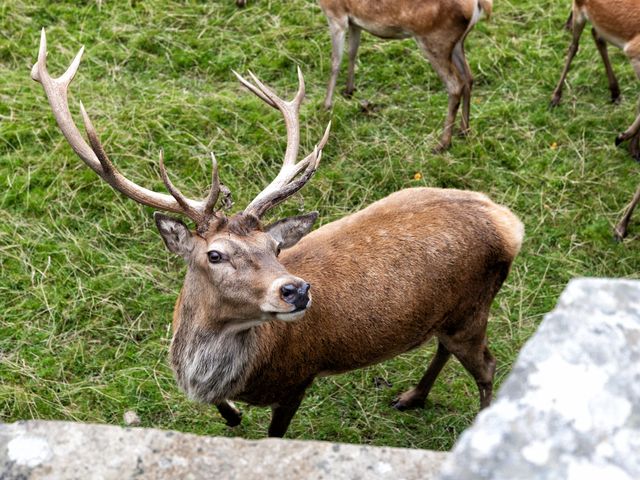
[(476, 358), (460, 61), (601, 44), (568, 25), (632, 50), (416, 397), (230, 413), (283, 412), (620, 231), (337, 29), (578, 26), (440, 58), (354, 43)]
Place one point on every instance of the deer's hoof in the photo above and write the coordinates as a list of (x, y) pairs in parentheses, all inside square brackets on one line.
[(235, 420), (346, 93), (407, 401)]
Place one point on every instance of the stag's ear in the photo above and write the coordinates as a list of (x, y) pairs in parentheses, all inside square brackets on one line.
[(175, 233), (287, 232)]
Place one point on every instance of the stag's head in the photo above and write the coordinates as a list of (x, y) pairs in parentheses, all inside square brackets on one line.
[(232, 260)]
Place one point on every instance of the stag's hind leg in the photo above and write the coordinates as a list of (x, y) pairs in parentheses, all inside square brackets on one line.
[(466, 338), (416, 397), (475, 357)]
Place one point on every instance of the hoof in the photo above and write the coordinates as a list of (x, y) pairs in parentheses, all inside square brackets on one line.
[(463, 132), (555, 101), (407, 401), (235, 421), (348, 93), (619, 139), (618, 236), (441, 148)]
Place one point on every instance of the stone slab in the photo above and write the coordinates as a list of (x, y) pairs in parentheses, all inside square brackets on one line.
[(67, 450), (570, 409)]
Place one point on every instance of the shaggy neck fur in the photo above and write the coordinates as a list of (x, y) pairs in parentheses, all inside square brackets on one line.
[(210, 365)]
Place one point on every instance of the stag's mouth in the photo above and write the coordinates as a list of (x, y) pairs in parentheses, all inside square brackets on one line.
[(293, 315)]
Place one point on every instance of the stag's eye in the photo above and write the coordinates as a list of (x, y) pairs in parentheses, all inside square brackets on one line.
[(214, 256)]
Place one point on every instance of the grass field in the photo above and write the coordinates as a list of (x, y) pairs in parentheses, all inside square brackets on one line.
[(87, 287)]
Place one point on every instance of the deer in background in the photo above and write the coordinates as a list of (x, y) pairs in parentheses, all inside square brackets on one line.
[(265, 309), (618, 23), (438, 26)]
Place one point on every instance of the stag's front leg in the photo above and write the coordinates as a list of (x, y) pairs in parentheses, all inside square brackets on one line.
[(337, 29), (620, 231), (441, 59), (576, 31), (283, 411), (230, 413)]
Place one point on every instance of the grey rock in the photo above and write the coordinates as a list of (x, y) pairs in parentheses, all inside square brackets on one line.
[(131, 418), (66, 450), (570, 409)]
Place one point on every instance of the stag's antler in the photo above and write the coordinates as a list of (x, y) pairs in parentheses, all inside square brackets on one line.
[(200, 211), (286, 183), (291, 178)]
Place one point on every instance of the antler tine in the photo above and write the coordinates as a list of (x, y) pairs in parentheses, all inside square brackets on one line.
[(254, 90), (321, 144), (108, 168), (277, 196), (94, 155), (290, 111), (192, 213), (215, 187), (285, 183)]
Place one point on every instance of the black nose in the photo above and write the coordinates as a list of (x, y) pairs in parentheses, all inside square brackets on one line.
[(298, 296)]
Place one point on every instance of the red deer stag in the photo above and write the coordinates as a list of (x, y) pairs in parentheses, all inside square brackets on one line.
[(419, 263), (438, 26)]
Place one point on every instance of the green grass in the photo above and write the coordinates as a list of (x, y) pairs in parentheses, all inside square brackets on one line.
[(87, 288)]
